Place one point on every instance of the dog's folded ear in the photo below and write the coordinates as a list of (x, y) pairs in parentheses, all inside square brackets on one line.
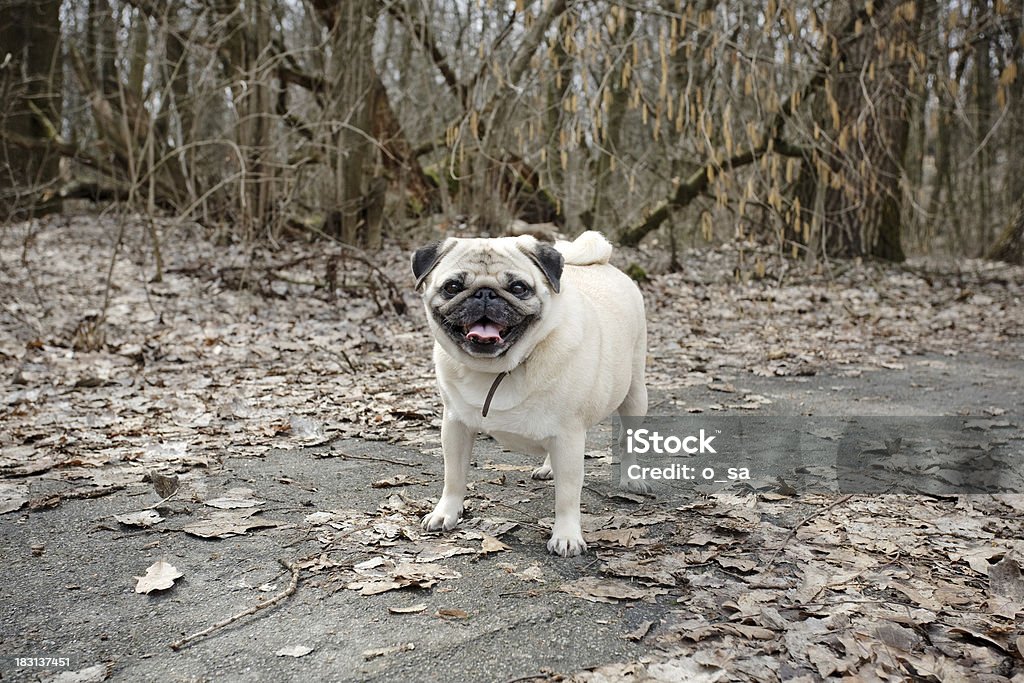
[(550, 262), (424, 260)]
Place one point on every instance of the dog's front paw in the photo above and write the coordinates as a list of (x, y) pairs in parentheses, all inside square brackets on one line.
[(445, 516), (567, 545)]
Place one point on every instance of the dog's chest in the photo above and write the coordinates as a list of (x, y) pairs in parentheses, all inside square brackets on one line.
[(520, 443)]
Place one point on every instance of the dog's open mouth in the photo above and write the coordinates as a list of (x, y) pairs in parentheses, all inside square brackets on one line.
[(485, 332)]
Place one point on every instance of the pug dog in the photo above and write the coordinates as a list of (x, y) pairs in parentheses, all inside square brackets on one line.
[(534, 344)]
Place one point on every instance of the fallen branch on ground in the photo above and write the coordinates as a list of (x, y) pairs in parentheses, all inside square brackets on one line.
[(283, 595)]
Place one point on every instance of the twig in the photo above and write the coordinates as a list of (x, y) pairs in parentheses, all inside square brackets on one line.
[(805, 520), (293, 567), (529, 677), (346, 456)]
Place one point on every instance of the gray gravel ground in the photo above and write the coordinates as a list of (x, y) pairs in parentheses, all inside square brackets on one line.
[(73, 595)]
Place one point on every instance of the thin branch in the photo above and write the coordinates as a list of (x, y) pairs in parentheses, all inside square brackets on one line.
[(421, 30), (293, 567), (697, 184)]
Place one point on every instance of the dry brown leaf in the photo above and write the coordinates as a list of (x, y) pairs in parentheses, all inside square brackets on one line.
[(166, 485), (742, 565), (92, 674), (379, 579), (159, 576), (452, 613), (709, 630), (235, 499), (383, 651), (608, 590), (925, 597), (658, 570), (397, 480), (684, 669), (489, 544), (12, 496), (531, 573), (814, 581), (637, 634), (408, 609), (432, 552), (1006, 588), (375, 586), (142, 518), (228, 523), (623, 538)]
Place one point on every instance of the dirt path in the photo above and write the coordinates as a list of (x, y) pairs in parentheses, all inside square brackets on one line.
[(727, 587)]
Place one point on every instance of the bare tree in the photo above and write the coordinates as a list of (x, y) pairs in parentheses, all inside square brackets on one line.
[(31, 82)]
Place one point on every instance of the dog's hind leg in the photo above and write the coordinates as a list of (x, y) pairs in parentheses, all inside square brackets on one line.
[(544, 471), (631, 413)]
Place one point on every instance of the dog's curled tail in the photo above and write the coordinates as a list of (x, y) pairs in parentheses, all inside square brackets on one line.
[(589, 249)]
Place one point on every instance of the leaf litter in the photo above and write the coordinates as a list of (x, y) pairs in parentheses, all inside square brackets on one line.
[(196, 367), (159, 577)]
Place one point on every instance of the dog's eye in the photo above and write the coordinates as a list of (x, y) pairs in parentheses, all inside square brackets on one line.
[(518, 288), (452, 287)]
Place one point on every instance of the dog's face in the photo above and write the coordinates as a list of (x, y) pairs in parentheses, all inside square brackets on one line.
[(485, 296)]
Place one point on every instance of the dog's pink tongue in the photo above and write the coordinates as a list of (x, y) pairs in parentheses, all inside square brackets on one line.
[(486, 332)]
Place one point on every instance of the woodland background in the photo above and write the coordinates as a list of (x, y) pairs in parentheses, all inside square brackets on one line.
[(207, 313), (825, 129)]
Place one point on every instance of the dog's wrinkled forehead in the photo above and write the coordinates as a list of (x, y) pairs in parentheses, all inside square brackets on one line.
[(487, 257)]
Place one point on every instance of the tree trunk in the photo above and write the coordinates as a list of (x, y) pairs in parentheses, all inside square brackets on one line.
[(31, 87), (864, 116), (602, 212), (984, 101), (350, 82), (1010, 246)]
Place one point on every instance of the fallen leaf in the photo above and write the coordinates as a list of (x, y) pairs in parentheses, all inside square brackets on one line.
[(142, 518), (1006, 588), (235, 499), (318, 518), (608, 590), (814, 581), (490, 544), (740, 564), (93, 674), (452, 613), (382, 651), (294, 651), (160, 576), (12, 497), (623, 538), (432, 552), (420, 575), (703, 632), (639, 632), (410, 609), (228, 523), (684, 669), (397, 480), (375, 586), (165, 485), (531, 573), (306, 429)]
